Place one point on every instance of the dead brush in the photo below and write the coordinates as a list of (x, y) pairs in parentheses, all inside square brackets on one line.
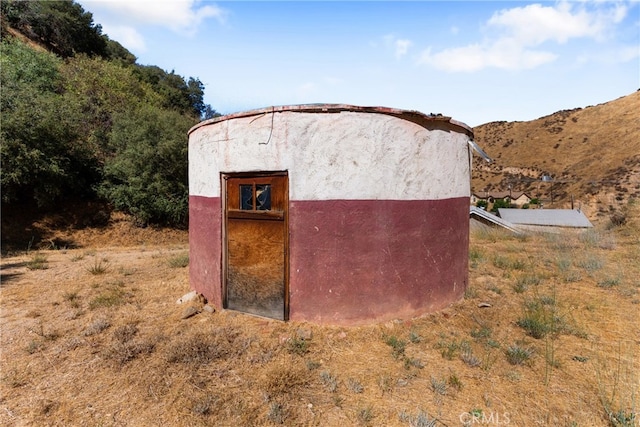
[(72, 298), (15, 378), (124, 348), (122, 353), (365, 415), (199, 347), (278, 413), (96, 327), (285, 377)]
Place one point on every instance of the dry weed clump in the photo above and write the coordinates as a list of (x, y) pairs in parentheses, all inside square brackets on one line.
[(285, 377), (125, 346), (200, 348), (38, 262), (97, 326)]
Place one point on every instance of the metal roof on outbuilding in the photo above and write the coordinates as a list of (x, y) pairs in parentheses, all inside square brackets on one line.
[(546, 217), (485, 217)]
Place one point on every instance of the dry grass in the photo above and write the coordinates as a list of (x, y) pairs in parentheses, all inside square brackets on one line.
[(110, 349)]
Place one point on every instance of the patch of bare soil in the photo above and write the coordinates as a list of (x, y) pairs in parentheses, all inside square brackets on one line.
[(547, 334)]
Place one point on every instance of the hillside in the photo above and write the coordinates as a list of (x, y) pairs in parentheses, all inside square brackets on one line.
[(592, 155), (83, 124)]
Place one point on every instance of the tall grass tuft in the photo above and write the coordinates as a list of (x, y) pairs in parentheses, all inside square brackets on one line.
[(38, 262), (523, 283), (618, 383), (99, 267), (179, 261)]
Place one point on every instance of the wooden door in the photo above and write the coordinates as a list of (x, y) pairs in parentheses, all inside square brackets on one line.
[(256, 243)]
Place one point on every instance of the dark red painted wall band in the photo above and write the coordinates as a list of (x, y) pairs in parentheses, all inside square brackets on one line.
[(354, 261), (357, 260), (205, 234)]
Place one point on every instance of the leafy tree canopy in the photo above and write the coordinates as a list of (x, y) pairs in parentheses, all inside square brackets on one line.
[(83, 120), (147, 177), (62, 26)]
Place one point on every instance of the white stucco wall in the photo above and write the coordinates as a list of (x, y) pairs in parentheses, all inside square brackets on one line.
[(334, 156)]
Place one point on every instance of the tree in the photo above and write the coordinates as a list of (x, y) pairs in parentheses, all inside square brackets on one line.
[(87, 121), (500, 203), (42, 157), (117, 52), (209, 113), (186, 97), (482, 204), (101, 89), (147, 177), (62, 26)]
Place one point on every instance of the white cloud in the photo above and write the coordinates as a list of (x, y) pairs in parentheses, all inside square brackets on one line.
[(502, 54), (400, 47), (515, 36), (535, 24), (182, 16)]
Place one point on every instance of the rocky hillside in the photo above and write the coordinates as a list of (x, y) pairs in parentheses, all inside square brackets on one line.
[(590, 156)]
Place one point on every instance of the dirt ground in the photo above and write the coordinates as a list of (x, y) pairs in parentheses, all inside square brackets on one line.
[(92, 335)]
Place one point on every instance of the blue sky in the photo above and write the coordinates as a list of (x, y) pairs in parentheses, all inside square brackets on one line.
[(476, 61)]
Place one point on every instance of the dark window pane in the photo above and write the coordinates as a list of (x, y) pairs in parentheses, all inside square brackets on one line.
[(263, 197), (246, 197)]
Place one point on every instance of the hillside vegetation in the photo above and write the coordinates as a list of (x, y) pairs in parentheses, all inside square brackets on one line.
[(591, 154), (81, 120)]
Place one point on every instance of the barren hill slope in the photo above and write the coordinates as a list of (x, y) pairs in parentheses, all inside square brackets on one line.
[(592, 155)]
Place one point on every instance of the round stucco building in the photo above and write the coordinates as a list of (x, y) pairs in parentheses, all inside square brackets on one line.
[(332, 214)]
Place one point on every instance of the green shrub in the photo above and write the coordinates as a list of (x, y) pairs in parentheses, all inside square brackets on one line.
[(591, 263), (398, 346), (609, 283), (517, 355), (500, 203), (329, 381), (297, 346), (147, 176)]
